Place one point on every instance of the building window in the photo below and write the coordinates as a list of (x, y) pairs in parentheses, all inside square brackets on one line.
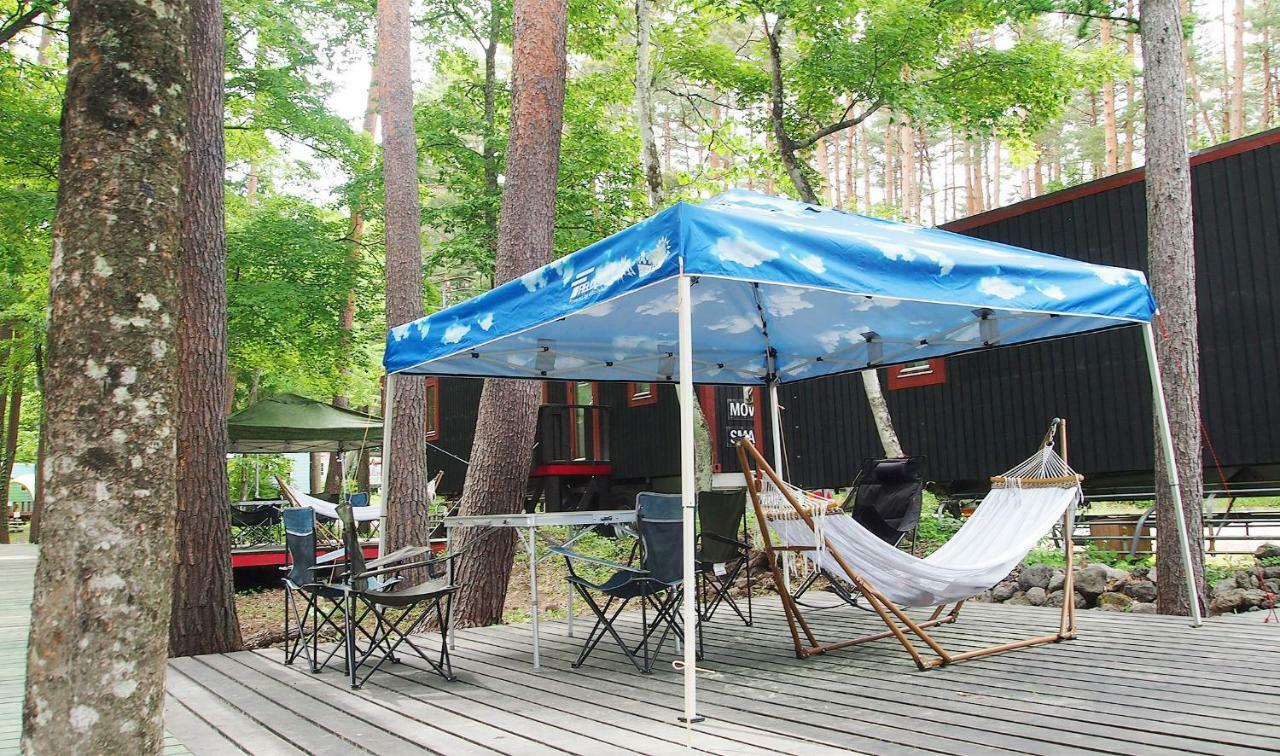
[(431, 392), (915, 374), (640, 394)]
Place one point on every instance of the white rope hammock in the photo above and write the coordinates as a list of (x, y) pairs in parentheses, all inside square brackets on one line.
[(1022, 506)]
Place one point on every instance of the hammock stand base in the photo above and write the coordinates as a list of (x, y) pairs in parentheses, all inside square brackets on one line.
[(900, 626)]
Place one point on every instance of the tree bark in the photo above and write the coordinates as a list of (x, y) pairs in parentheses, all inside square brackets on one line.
[(1171, 259), (644, 105), (104, 581), (406, 485), (37, 505), (1236, 120), (502, 452), (1111, 158), (11, 446), (204, 609)]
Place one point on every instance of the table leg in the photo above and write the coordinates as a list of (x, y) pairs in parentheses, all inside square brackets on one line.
[(570, 617), (453, 631), (532, 547)]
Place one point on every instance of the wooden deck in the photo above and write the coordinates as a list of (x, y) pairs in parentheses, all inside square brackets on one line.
[(1130, 684)]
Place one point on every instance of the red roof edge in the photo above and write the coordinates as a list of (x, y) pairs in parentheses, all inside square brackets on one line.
[(1114, 181)]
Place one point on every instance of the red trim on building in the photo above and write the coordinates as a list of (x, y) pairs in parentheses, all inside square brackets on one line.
[(914, 375), (542, 471), (1207, 155), (277, 557), (636, 399)]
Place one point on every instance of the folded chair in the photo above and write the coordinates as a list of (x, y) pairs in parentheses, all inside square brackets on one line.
[(657, 582), (1024, 503), (312, 601), (722, 552), (397, 611), (886, 500)]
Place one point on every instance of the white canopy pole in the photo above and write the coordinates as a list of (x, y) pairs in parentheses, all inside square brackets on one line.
[(1171, 463), (688, 493), (387, 414), (775, 426)]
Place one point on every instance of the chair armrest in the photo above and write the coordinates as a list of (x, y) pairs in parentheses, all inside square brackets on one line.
[(573, 556), (397, 556), (396, 568), (722, 539), (331, 556)]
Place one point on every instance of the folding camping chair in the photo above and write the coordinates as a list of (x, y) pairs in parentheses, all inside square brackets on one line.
[(886, 500), (372, 592), (312, 600), (253, 524), (657, 582), (722, 552)]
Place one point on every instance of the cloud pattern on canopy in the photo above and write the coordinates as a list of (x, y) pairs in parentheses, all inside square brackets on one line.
[(824, 289)]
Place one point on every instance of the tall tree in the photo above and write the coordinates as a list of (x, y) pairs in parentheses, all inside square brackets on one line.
[(204, 610), (12, 421), (406, 484), (104, 581), (1171, 261), (503, 448), (644, 103)]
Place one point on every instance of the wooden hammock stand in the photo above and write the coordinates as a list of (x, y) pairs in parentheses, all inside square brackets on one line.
[(897, 621)]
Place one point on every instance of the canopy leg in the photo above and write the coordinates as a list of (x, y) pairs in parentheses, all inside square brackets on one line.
[(388, 419), (1171, 469), (689, 495)]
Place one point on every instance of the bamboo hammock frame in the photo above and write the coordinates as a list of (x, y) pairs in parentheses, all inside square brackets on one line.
[(899, 625)]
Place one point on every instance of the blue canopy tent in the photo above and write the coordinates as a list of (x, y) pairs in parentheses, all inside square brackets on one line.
[(751, 289)]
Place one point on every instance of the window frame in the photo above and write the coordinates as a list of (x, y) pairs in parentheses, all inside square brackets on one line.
[(431, 410), (914, 375), (637, 399)]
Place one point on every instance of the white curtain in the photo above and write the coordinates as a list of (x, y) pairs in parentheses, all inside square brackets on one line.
[(1007, 525)]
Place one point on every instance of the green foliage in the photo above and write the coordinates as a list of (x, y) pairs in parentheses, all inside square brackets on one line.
[(244, 470)]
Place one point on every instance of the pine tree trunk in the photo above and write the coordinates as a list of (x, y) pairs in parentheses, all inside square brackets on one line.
[(406, 484), (1171, 259), (1236, 120), (37, 504), (644, 105), (204, 610), (12, 423), (316, 470), (104, 583), (1111, 159), (502, 452)]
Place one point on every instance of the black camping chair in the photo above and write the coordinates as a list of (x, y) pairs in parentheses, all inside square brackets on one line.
[(372, 591), (722, 552), (886, 500), (253, 524), (657, 582), (312, 601)]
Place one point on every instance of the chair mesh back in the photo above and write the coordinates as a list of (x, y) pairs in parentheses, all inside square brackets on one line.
[(888, 496), (300, 542), (660, 522), (351, 542), (720, 513), (359, 499)]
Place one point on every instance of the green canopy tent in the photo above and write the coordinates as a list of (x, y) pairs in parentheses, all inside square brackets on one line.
[(292, 423)]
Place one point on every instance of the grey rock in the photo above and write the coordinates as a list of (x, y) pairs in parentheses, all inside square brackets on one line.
[(1142, 607), (1114, 601), (1035, 576), (1141, 572), (1140, 590), (1224, 585), (1055, 599), (1019, 599), (1036, 595), (1092, 580), (1003, 591), (1271, 572), (1056, 582), (1235, 600), (1267, 551)]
